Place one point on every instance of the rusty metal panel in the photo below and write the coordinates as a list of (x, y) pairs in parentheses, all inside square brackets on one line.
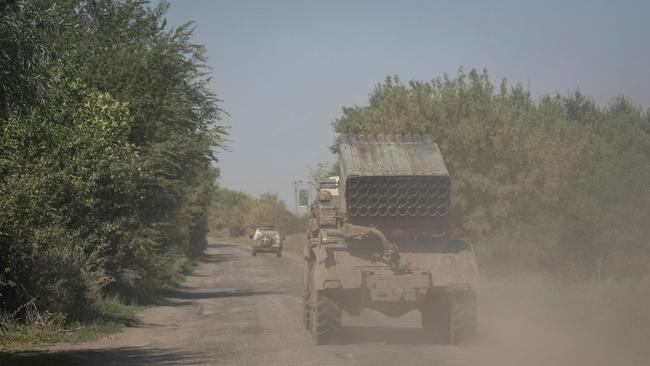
[(399, 155)]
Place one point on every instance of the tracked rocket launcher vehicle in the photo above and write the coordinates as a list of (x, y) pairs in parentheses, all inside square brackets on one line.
[(377, 239)]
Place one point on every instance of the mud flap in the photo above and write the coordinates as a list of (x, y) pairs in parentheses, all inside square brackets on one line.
[(450, 317)]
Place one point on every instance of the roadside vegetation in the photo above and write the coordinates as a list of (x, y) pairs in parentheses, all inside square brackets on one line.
[(236, 214), (555, 184), (106, 315), (109, 135)]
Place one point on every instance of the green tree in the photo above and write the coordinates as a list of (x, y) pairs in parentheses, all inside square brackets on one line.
[(69, 172), (22, 50), (559, 174), (107, 173)]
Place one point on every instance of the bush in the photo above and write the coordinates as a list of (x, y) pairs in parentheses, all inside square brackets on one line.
[(61, 161), (107, 168)]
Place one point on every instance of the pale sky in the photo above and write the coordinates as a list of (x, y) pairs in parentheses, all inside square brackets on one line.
[(284, 69)]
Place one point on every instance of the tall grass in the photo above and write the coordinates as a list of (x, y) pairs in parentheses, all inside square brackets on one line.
[(104, 316)]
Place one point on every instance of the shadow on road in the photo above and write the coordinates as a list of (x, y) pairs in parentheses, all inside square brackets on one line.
[(217, 258), (130, 356), (179, 297), (221, 245), (388, 335), (200, 295)]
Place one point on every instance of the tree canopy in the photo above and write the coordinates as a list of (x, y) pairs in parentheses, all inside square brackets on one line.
[(109, 140), (560, 178)]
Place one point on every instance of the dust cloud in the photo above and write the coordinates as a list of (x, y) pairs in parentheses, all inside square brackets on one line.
[(534, 320)]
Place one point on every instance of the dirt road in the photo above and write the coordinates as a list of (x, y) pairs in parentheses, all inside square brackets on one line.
[(243, 310)]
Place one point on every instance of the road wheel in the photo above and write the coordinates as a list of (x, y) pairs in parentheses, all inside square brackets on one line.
[(450, 318), (435, 316), (325, 317), (253, 252), (463, 317)]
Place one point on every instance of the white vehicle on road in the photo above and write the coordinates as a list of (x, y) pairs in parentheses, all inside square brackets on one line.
[(266, 240)]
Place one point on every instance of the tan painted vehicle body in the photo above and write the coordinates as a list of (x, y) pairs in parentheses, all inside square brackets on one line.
[(377, 240)]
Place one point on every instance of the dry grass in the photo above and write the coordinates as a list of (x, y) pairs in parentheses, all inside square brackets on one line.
[(109, 316)]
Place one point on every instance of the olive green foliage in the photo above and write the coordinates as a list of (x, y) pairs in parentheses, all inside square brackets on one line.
[(21, 50), (68, 167), (557, 183), (108, 152), (238, 214)]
